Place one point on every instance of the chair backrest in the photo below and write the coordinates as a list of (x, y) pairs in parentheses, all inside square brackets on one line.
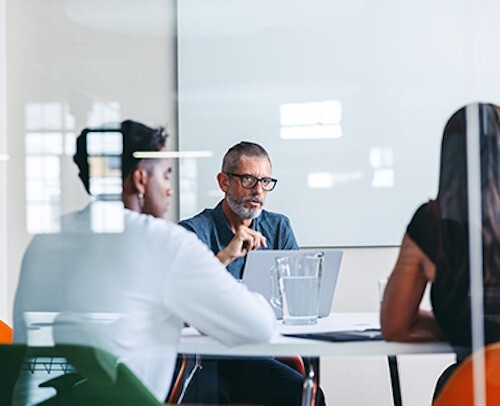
[(458, 390), (106, 381), (6, 333), (97, 366), (11, 356)]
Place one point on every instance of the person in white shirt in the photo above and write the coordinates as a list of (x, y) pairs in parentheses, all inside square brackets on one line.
[(149, 278)]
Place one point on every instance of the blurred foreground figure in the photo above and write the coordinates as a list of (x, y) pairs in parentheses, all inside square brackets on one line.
[(130, 291), (435, 247)]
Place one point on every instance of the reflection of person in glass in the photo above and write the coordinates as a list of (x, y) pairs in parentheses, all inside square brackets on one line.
[(435, 248), (153, 276)]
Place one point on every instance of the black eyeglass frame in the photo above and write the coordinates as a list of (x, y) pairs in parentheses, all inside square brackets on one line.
[(273, 181)]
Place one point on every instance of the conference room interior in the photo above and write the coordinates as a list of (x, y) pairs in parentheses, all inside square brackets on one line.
[(350, 99)]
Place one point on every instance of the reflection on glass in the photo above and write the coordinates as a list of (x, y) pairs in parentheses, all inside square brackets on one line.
[(383, 178), (105, 175), (69, 144), (44, 143), (320, 180), (43, 194), (50, 135), (102, 112), (327, 180), (46, 126), (188, 186), (312, 120), (104, 149), (46, 116), (381, 157), (382, 162), (43, 190), (104, 143), (107, 217), (42, 218)]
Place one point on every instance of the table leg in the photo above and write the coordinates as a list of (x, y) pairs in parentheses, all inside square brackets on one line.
[(310, 386), (395, 386)]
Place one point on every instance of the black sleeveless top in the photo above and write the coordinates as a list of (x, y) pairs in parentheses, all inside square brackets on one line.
[(445, 242)]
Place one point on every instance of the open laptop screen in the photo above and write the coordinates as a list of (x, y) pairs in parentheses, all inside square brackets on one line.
[(257, 275)]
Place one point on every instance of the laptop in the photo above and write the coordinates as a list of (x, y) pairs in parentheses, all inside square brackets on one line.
[(257, 275)]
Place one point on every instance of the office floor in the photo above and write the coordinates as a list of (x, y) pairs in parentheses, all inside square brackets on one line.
[(359, 381)]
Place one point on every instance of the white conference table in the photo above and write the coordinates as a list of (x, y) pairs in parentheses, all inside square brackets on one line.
[(192, 342)]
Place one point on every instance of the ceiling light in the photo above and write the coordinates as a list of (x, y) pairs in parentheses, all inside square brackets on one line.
[(172, 154)]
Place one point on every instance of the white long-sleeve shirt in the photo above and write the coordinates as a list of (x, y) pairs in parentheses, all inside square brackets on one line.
[(154, 276)]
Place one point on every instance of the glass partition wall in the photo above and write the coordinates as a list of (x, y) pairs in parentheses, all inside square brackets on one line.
[(64, 66), (349, 98), (69, 65)]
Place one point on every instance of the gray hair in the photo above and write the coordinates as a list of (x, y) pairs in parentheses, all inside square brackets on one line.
[(233, 155)]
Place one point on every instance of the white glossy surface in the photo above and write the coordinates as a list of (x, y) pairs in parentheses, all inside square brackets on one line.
[(396, 71)]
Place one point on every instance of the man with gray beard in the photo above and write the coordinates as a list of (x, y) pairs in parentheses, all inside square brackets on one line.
[(239, 224)]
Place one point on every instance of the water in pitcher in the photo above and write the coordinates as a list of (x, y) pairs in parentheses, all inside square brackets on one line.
[(299, 295)]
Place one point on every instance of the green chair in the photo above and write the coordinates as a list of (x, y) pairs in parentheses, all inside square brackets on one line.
[(99, 380), (11, 357)]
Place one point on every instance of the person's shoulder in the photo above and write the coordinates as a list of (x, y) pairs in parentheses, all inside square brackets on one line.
[(146, 222), (273, 217), (160, 231), (426, 211), (205, 216), (425, 220), (149, 225), (278, 222)]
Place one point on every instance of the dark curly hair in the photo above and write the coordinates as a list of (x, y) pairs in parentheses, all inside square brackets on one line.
[(136, 137)]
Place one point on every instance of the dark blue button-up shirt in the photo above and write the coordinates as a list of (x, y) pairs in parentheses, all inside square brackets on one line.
[(212, 228)]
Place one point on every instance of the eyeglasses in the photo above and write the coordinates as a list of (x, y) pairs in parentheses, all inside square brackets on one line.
[(249, 181)]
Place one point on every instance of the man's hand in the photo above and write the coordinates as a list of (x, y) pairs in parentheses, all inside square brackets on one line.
[(245, 240)]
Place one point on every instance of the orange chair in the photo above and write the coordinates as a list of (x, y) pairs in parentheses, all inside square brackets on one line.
[(458, 390), (6, 333), (296, 362), (176, 391)]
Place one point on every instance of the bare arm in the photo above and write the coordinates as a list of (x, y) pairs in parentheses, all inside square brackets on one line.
[(401, 318), (244, 240)]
